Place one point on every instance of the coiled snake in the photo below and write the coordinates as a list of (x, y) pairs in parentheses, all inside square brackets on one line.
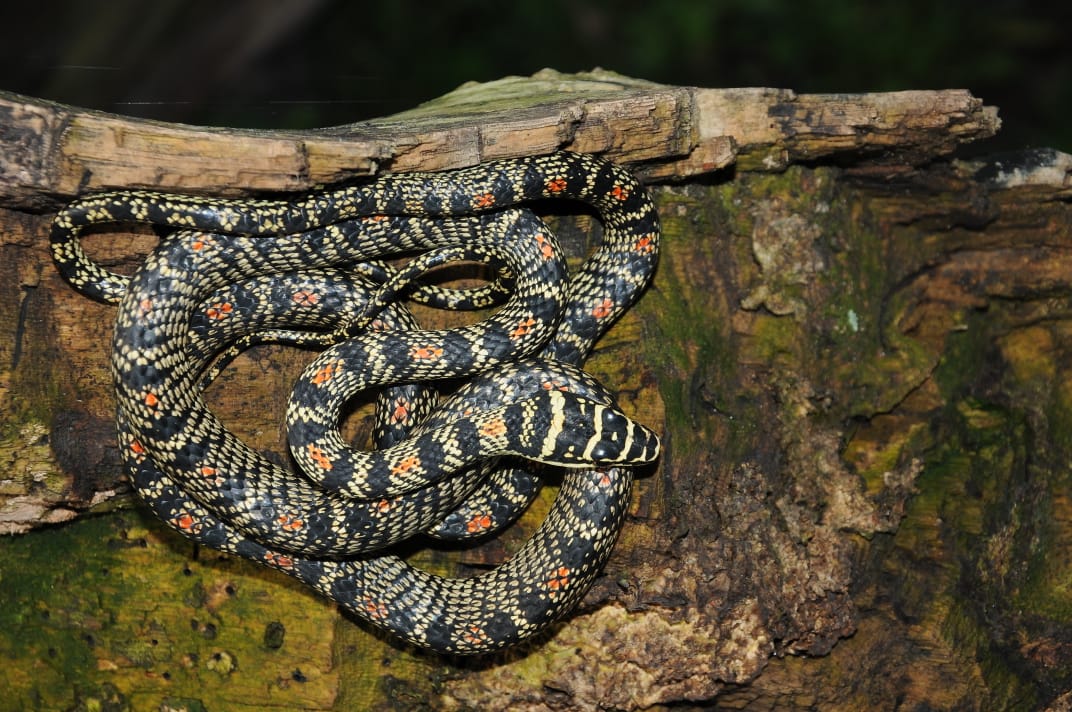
[(235, 272)]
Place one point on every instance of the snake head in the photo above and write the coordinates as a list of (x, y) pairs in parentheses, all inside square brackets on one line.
[(580, 432)]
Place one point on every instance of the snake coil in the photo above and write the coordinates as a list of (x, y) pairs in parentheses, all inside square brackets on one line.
[(310, 271)]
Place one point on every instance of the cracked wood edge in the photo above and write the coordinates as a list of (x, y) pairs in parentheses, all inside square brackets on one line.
[(50, 152)]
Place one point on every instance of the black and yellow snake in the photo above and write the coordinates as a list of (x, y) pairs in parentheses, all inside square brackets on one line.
[(237, 271)]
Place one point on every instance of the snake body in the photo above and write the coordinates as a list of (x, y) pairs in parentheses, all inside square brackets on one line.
[(234, 269)]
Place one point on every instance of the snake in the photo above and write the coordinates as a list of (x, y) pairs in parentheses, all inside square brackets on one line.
[(525, 396)]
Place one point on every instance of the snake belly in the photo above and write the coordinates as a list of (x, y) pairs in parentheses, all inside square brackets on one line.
[(530, 398)]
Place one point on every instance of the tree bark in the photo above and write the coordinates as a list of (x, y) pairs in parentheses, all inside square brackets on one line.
[(854, 347)]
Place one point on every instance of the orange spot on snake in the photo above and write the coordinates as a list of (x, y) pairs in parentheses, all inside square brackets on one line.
[(475, 635), (425, 353), (478, 523), (281, 561), (645, 244), (375, 609), (410, 463), (556, 185), (523, 328), (305, 298), (290, 522), (603, 309), (185, 521), (559, 580), (327, 372), (546, 251), (317, 455), (401, 411), (494, 428), (219, 310)]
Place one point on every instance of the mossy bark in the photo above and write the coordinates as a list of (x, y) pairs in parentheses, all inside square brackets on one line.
[(860, 369)]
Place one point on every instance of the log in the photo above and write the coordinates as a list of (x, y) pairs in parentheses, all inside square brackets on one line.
[(853, 348)]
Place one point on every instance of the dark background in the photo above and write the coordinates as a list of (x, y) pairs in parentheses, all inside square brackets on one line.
[(310, 63)]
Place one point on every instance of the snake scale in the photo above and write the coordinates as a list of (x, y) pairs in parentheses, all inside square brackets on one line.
[(310, 271)]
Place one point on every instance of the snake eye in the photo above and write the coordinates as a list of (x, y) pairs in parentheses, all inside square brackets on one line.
[(603, 452), (612, 418)]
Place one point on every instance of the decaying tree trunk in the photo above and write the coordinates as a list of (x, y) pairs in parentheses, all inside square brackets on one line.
[(857, 350)]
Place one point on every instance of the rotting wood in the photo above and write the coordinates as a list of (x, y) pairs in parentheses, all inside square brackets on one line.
[(52, 153), (856, 345)]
